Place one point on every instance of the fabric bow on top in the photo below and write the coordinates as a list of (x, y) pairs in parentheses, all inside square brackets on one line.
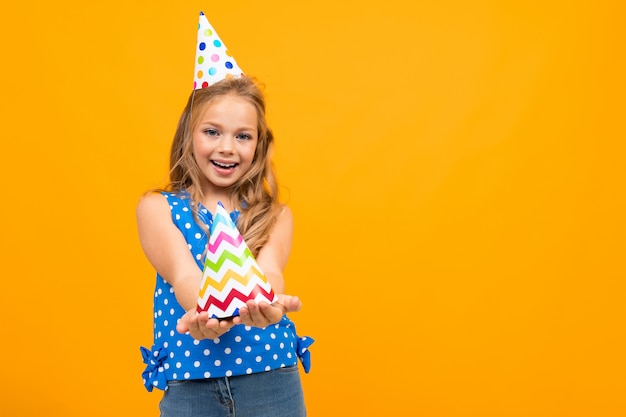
[(303, 352), (153, 375)]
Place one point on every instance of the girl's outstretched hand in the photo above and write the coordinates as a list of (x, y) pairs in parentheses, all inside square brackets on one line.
[(264, 314), (200, 326)]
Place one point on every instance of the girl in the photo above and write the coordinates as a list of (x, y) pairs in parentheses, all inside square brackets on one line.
[(246, 364)]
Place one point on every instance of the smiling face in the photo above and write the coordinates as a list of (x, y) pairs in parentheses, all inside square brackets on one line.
[(224, 142)]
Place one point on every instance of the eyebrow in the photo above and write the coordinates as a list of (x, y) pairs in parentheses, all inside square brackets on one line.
[(219, 126)]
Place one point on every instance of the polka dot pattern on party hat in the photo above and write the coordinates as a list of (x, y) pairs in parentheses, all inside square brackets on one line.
[(213, 61)]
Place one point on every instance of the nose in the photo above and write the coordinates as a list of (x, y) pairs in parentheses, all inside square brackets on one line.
[(227, 144)]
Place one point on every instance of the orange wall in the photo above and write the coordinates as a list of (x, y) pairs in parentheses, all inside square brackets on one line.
[(455, 169)]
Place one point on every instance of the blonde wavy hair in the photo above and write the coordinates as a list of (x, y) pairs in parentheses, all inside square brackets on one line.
[(255, 195)]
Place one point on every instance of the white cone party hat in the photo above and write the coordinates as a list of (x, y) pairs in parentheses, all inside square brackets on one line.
[(213, 61), (231, 274)]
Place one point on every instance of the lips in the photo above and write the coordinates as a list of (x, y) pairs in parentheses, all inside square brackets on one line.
[(224, 165)]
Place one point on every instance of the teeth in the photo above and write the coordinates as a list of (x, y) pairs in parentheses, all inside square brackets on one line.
[(223, 165)]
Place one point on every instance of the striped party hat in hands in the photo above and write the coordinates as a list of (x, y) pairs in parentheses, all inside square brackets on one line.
[(231, 274), (213, 61)]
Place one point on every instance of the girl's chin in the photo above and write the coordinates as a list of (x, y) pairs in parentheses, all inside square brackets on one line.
[(222, 181)]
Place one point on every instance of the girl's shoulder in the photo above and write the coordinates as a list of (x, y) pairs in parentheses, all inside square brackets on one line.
[(284, 218), (160, 197), (152, 203), (284, 211)]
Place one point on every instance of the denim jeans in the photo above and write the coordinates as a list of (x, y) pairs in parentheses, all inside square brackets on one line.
[(276, 393)]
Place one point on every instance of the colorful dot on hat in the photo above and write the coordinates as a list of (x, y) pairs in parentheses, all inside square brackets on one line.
[(217, 43), (228, 65), (202, 46), (208, 32), (212, 71), (200, 74), (215, 57), (200, 59), (205, 84)]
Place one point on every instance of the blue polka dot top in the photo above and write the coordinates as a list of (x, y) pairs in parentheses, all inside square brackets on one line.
[(242, 350)]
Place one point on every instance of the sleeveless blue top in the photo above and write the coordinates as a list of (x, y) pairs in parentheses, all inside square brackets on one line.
[(242, 350)]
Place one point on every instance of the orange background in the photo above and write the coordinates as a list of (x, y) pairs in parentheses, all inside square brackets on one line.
[(455, 169)]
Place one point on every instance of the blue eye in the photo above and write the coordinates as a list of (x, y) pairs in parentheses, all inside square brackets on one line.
[(244, 136), (211, 132)]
